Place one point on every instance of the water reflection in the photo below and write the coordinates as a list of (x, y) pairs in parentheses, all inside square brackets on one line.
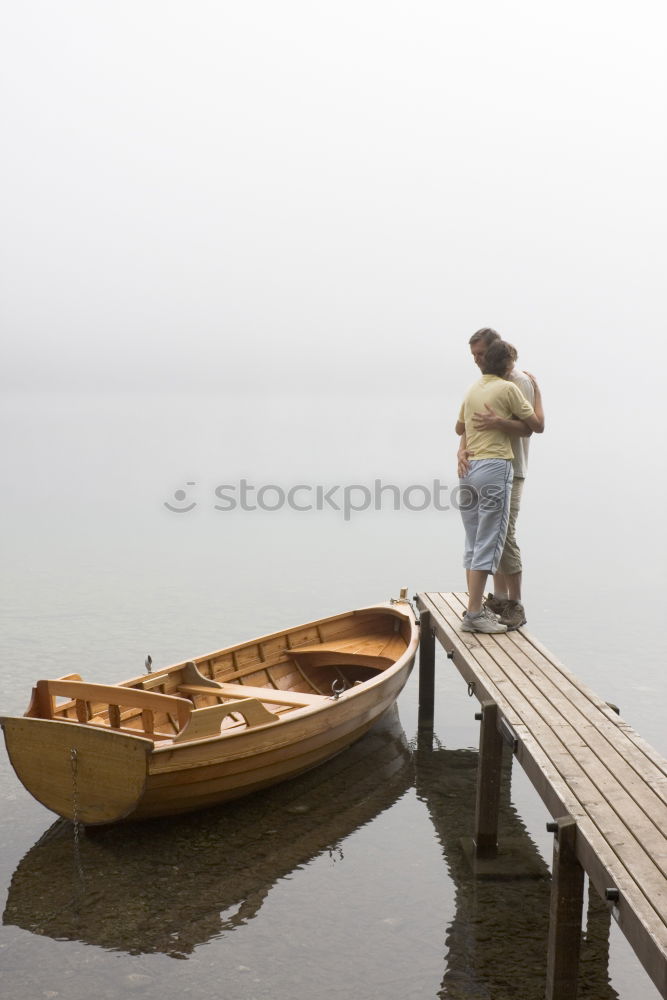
[(496, 945), (171, 885)]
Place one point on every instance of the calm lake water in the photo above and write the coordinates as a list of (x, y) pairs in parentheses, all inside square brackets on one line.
[(352, 880)]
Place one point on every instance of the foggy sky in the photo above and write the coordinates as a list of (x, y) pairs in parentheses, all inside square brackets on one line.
[(272, 195)]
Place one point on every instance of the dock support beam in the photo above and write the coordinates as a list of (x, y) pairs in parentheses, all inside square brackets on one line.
[(426, 670), (567, 896), (488, 782)]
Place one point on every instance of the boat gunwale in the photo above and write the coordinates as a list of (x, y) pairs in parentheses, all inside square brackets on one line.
[(393, 609), (328, 702)]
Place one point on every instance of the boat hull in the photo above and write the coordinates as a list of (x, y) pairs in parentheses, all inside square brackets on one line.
[(199, 775)]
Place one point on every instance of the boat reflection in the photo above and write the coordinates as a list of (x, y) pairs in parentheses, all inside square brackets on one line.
[(170, 885), (496, 945)]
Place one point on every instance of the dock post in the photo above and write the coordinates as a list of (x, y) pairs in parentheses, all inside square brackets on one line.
[(426, 670), (567, 897), (489, 767)]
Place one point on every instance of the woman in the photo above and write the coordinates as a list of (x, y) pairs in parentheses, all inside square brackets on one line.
[(484, 493)]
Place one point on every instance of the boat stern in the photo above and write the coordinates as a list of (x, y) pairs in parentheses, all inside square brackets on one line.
[(82, 773)]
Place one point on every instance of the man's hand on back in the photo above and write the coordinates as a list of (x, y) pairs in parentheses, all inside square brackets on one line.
[(488, 421)]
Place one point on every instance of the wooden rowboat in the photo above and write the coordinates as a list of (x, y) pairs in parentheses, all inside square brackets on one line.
[(214, 728)]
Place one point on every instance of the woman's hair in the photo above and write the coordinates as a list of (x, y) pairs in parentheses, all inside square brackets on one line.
[(499, 358)]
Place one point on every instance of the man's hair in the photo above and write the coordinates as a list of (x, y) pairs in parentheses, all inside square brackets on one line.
[(486, 335), (498, 358)]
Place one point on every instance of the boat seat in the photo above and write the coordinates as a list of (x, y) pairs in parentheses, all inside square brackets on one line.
[(195, 683), (209, 692), (331, 656), (295, 699), (84, 696), (206, 722)]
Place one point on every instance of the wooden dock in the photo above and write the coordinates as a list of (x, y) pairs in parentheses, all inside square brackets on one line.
[(605, 788)]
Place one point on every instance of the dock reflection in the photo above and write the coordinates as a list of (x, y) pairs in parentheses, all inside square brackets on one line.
[(171, 885), (496, 945)]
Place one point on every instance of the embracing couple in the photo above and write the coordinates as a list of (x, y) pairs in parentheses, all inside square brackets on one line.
[(497, 417)]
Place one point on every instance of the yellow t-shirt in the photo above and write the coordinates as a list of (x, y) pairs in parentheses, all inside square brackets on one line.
[(507, 400)]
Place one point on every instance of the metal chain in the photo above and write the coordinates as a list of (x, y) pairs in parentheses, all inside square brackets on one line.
[(75, 813), (404, 600)]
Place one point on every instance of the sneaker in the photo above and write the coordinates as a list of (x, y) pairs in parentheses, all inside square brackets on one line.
[(494, 604), (482, 623), (513, 615), (485, 611), (490, 614)]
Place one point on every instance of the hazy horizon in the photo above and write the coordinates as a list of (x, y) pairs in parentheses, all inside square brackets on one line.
[(263, 197)]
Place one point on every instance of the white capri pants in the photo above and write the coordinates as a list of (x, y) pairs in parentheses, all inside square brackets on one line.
[(484, 502)]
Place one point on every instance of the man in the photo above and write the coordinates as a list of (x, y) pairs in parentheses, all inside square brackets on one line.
[(506, 598)]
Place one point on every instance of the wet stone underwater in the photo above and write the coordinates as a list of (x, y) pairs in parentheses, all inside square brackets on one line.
[(165, 890)]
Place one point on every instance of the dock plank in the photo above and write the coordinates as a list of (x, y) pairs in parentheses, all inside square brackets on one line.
[(584, 775), (599, 727), (638, 754), (596, 786), (644, 749), (584, 760), (631, 758)]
